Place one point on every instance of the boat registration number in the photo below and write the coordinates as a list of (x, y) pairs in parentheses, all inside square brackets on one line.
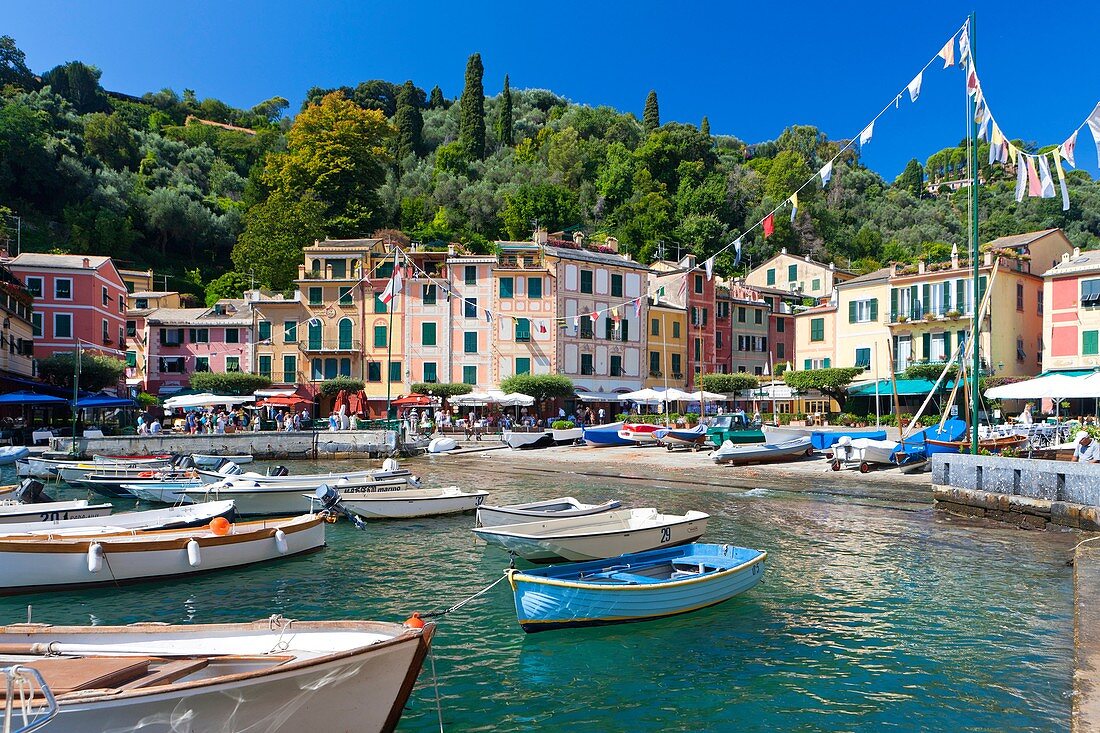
[(666, 534)]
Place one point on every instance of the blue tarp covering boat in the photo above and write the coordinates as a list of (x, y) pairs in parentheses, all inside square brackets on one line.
[(952, 430), (825, 439), (604, 435)]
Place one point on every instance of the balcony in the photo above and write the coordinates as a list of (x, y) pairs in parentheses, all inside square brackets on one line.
[(329, 345), (677, 375), (519, 262), (656, 375)]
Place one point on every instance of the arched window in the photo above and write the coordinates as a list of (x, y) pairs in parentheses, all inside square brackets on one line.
[(345, 334), (315, 327)]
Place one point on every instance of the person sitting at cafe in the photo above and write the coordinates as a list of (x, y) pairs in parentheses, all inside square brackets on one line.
[(1087, 449), (1024, 418)]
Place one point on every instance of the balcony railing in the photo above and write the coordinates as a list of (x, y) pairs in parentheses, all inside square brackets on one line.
[(332, 345), (656, 374)]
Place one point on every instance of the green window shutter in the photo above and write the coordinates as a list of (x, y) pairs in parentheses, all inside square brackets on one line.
[(914, 294), (946, 296), (429, 371), (395, 371), (874, 309), (851, 311), (609, 327), (345, 295), (380, 336), (826, 362), (506, 287), (655, 327), (960, 294), (808, 364), (290, 369), (893, 305), (523, 365), (470, 342), (290, 332), (314, 335), (792, 273), (265, 366), (926, 344), (654, 362), (1090, 343), (771, 276), (427, 334), (534, 287), (817, 329), (374, 372), (316, 296), (265, 330), (926, 302), (469, 375), (523, 329), (981, 290), (345, 331)]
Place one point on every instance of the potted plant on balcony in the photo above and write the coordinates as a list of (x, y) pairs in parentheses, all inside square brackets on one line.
[(902, 318), (929, 316), (953, 314)]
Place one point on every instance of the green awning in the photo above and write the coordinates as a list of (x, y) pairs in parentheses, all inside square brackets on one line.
[(905, 387), (1067, 372)]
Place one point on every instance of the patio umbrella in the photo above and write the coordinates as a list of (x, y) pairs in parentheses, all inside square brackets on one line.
[(102, 401), (515, 399), (414, 399), (204, 400), (26, 397), (1052, 386)]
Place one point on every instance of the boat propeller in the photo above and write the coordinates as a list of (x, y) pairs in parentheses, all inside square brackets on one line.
[(330, 502)]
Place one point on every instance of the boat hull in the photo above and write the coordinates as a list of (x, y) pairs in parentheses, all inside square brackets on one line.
[(603, 436), (546, 603), (825, 439), (567, 436), (498, 516), (280, 500), (763, 452), (52, 511), (396, 505), (993, 445), (11, 454), (526, 441)]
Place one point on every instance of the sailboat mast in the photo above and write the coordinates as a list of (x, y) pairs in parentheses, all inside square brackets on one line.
[(975, 327)]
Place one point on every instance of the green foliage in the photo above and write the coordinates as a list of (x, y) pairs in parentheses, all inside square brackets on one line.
[(409, 122), (443, 390), (704, 127), (13, 66), (728, 383), (563, 425), (472, 106), (230, 285), (504, 116), (274, 234), (79, 84), (228, 383), (554, 207), (332, 387), (931, 372), (437, 101), (911, 179), (829, 382), (651, 117), (539, 386), (96, 372), (146, 400)]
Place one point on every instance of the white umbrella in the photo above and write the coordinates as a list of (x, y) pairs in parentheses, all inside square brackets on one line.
[(515, 399), (645, 396), (472, 399), (205, 400), (700, 396), (1052, 386)]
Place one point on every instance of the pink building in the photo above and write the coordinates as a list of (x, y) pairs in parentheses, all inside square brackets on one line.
[(177, 342), (471, 278), (77, 299)]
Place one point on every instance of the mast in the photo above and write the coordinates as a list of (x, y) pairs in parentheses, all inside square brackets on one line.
[(975, 324)]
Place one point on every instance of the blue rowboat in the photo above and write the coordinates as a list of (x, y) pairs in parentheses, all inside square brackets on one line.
[(951, 431), (634, 587), (601, 436), (825, 439)]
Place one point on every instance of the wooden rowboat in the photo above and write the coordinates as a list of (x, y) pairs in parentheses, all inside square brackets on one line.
[(993, 445)]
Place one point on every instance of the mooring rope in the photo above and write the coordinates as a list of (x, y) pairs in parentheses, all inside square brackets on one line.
[(460, 604)]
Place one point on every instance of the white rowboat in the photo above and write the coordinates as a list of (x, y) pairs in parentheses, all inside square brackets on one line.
[(565, 506), (412, 503), (252, 498), (203, 459), (192, 515), (597, 536), (517, 440), (51, 511)]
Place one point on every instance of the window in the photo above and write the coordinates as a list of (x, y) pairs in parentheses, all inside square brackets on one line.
[(759, 317), (1090, 343), (345, 295), (722, 309), (469, 342), (344, 331), (523, 365), (741, 314), (698, 283), (121, 335), (1039, 301), (718, 339), (817, 329), (469, 375), (428, 294), (263, 329), (265, 365), (345, 367), (863, 311), (609, 328), (771, 276), (616, 285), (1020, 297), (199, 336), (232, 335), (616, 366), (586, 281), (698, 349), (675, 329), (173, 365), (316, 296), (624, 330), (655, 327), (374, 371), (106, 296), (232, 363), (792, 273), (36, 325), (470, 275), (379, 306), (395, 371), (586, 365), (62, 325), (384, 269), (63, 288), (937, 347), (380, 338), (429, 372), (815, 284), (314, 330), (1090, 292), (780, 325), (34, 285), (290, 369), (122, 304), (290, 332), (534, 287), (780, 350), (131, 359), (469, 308), (523, 329), (141, 303), (339, 268), (427, 334), (1021, 355), (106, 332), (654, 363), (677, 372), (331, 368), (586, 327), (507, 286)]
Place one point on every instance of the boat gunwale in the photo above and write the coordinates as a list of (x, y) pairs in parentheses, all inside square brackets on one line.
[(685, 519), (388, 496), (539, 580)]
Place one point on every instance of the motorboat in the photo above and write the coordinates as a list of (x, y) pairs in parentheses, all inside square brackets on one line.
[(411, 502), (277, 675), (634, 587), (26, 502), (565, 506), (206, 460), (536, 439), (252, 498), (771, 452), (162, 492), (566, 436), (11, 453), (112, 486), (191, 515), (441, 444), (41, 563), (825, 439), (39, 467), (735, 428), (672, 438), (640, 433), (596, 536), (603, 436), (281, 475)]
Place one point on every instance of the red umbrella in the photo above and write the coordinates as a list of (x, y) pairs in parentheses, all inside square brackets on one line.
[(283, 401), (413, 400)]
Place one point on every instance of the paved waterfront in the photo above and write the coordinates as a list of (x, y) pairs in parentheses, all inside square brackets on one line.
[(1086, 631)]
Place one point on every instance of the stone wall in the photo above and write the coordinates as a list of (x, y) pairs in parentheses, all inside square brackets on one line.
[(1022, 491), (259, 444)]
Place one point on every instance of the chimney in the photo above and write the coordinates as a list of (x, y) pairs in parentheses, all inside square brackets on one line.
[(832, 267), (578, 239), (87, 262), (808, 258), (613, 244), (541, 236), (1065, 257), (954, 256), (783, 251), (1076, 252)]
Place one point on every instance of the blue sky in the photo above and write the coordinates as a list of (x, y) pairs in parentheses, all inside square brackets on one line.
[(753, 68)]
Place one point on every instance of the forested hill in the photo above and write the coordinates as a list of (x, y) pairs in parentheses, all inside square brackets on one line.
[(205, 192)]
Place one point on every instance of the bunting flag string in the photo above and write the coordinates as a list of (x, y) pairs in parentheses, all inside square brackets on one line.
[(826, 173), (947, 53), (1061, 179), (914, 86), (1046, 183), (769, 225), (1069, 149), (794, 206), (1021, 177)]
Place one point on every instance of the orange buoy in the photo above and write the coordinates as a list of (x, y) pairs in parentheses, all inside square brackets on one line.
[(414, 621), (220, 526)]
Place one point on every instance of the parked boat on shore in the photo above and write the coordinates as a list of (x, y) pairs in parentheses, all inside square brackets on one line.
[(633, 587), (275, 675), (735, 428), (566, 436), (526, 440), (825, 439), (773, 451), (602, 436), (596, 536), (535, 511), (412, 503), (673, 438)]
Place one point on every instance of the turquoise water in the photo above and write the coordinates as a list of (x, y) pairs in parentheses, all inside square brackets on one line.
[(868, 619)]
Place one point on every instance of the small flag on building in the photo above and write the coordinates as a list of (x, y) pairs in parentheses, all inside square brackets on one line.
[(393, 287), (542, 327)]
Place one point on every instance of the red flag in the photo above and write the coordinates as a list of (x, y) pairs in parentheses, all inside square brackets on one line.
[(769, 225), (542, 327)]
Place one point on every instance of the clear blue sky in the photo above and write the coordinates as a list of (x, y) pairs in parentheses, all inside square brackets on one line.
[(753, 68)]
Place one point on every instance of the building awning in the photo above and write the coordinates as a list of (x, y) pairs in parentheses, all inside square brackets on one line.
[(599, 397), (906, 387), (274, 392)]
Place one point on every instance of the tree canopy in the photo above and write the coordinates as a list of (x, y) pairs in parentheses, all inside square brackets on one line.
[(229, 383), (97, 372), (539, 386), (728, 383), (829, 382), (443, 390)]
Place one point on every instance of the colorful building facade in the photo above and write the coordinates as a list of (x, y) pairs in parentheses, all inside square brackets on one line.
[(16, 328), (666, 344), (1071, 318)]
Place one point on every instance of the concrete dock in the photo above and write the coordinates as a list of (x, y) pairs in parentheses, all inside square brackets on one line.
[(1086, 639)]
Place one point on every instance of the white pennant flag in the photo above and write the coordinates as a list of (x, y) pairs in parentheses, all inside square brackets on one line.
[(1069, 149), (826, 173), (1021, 177), (1094, 127), (737, 249), (1061, 179), (947, 53), (709, 267), (914, 86), (393, 287), (865, 136), (1045, 180), (983, 129), (964, 43)]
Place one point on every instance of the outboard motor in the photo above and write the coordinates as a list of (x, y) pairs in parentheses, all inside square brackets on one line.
[(414, 481), (30, 492), (279, 471), (330, 502), (228, 468), (185, 462)]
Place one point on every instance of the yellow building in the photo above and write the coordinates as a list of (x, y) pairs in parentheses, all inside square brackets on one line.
[(138, 281), (667, 345), (801, 275), (815, 345), (862, 336)]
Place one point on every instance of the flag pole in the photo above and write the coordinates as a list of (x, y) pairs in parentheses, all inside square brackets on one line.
[(389, 340), (975, 327)]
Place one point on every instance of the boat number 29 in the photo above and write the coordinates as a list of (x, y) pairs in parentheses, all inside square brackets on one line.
[(666, 534)]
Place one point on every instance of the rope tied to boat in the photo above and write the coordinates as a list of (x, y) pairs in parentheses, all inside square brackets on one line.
[(278, 621), (460, 604)]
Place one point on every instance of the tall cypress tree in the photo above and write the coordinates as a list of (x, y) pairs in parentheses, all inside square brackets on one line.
[(436, 101), (705, 127), (651, 118), (471, 125), (409, 122), (504, 120)]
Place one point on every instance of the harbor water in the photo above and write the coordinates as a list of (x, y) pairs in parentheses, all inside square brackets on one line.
[(870, 617)]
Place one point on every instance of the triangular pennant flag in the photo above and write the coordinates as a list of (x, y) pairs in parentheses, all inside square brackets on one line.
[(865, 136), (769, 225), (661, 292), (914, 86), (595, 317), (1069, 149), (542, 327), (1045, 181), (615, 314), (709, 267), (1013, 151), (964, 43), (393, 287), (971, 80), (637, 307), (983, 126), (1061, 179), (1021, 176), (737, 249), (996, 144), (947, 53), (576, 323), (489, 316), (1094, 127), (1034, 187), (826, 173), (315, 321), (794, 206)]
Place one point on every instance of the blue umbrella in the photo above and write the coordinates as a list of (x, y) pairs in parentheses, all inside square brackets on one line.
[(26, 397), (92, 402)]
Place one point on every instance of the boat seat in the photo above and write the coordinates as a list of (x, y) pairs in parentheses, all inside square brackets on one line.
[(69, 674), (626, 578), (167, 673)]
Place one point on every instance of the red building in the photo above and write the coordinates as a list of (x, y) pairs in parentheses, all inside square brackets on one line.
[(686, 285)]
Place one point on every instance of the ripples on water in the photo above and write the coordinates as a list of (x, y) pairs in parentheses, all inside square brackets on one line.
[(868, 619)]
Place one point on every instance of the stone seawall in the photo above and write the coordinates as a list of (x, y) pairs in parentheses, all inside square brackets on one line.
[(1022, 491), (258, 444)]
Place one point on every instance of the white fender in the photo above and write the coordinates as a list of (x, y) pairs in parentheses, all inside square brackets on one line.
[(95, 557), (280, 542), (194, 556)]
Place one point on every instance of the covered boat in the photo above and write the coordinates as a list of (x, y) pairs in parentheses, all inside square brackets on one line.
[(602, 436), (11, 453), (442, 444), (412, 503), (634, 587), (252, 498), (35, 563), (825, 439), (565, 506), (640, 433), (596, 536), (517, 440), (566, 436), (191, 515), (672, 438), (773, 451), (275, 675)]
